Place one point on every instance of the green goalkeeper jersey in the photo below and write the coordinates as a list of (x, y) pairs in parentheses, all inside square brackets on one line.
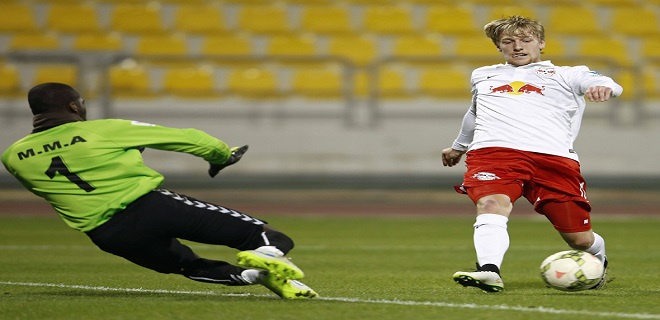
[(90, 170)]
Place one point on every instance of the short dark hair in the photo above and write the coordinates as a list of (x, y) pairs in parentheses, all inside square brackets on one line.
[(50, 97)]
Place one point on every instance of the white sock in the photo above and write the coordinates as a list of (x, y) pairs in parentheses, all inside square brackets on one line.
[(491, 239), (252, 276), (598, 248)]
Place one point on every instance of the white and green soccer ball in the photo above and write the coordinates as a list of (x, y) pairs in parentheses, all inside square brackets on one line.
[(571, 270)]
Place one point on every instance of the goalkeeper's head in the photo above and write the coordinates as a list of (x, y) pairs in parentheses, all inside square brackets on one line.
[(57, 98)]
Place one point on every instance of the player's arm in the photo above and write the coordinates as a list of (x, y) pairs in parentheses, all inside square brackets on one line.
[(452, 156), (595, 86)]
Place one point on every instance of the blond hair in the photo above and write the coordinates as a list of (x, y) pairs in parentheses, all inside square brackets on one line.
[(514, 26)]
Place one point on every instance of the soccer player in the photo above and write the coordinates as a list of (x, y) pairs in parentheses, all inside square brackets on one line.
[(93, 175), (518, 139)]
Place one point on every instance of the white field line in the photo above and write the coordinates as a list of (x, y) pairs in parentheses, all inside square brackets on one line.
[(542, 310)]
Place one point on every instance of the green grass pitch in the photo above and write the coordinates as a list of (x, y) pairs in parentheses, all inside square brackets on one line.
[(364, 267)]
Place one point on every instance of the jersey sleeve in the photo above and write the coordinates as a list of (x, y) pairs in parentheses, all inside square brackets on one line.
[(581, 78), (134, 134)]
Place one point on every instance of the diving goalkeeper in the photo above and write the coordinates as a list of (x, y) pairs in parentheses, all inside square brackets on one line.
[(93, 175)]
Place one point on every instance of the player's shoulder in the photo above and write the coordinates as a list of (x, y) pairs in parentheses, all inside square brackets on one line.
[(485, 71)]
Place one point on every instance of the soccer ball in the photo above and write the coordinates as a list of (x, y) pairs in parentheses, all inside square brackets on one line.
[(572, 270)]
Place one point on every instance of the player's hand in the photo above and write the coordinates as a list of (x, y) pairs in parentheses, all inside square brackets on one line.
[(236, 154), (598, 93), (451, 157)]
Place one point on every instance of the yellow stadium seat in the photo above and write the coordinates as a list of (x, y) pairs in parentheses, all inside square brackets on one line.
[(17, 17), (389, 82), (417, 46), (73, 17), (259, 19), (137, 18), (583, 21), (613, 3), (292, 47), (162, 45), (635, 21), (616, 50), (650, 49), (452, 20), (318, 82), (479, 49), (554, 48), (63, 73), (129, 79), (359, 50), (10, 81), (199, 19), (388, 19), (504, 11), (445, 83), (326, 20), (105, 42), (309, 2), (230, 45), (257, 83), (190, 82), (41, 41)]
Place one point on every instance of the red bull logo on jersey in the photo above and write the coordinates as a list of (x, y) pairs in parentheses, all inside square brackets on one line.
[(518, 88)]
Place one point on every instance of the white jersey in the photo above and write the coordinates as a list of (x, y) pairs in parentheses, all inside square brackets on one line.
[(536, 107)]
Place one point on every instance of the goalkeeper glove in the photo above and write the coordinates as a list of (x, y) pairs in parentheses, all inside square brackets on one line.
[(236, 154)]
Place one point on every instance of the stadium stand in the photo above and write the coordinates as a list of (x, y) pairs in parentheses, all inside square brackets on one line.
[(191, 82), (264, 19)]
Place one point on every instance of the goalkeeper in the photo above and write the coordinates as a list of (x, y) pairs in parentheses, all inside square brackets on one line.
[(93, 175)]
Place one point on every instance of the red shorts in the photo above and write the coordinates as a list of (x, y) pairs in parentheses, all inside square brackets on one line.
[(540, 178)]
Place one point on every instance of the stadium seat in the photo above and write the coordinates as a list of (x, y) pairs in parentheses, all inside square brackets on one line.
[(326, 20), (503, 11), (583, 21), (137, 18), (37, 41), (105, 42), (451, 20), (17, 17), (73, 18), (309, 2), (390, 83), (478, 49), (650, 50), (255, 83), (359, 50), (292, 45), (63, 73), (263, 20), (128, 79), (444, 83), (190, 82), (645, 22), (161, 45), (388, 19), (318, 82), (234, 44), (417, 46), (614, 49), (199, 19), (10, 81), (612, 3)]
